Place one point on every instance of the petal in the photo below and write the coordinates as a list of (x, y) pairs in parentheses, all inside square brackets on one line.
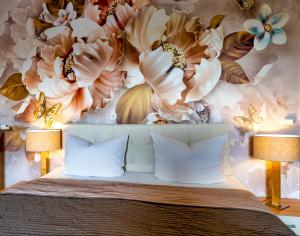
[(207, 76), (62, 13), (155, 63), (254, 27), (72, 15), (187, 43), (264, 13), (82, 101), (170, 87), (177, 23), (213, 38), (92, 62), (30, 28), (257, 64), (124, 13), (83, 27), (97, 34), (31, 78), (58, 66), (262, 41), (146, 27), (166, 84), (103, 87), (92, 12), (279, 20), (56, 87), (54, 31), (111, 25), (25, 48), (134, 77), (69, 8), (27, 115), (177, 112), (278, 36), (45, 66)]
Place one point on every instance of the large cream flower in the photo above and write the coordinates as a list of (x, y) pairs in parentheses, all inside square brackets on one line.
[(165, 82), (195, 50), (79, 74)]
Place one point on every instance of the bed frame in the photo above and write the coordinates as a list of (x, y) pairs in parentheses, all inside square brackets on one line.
[(139, 156)]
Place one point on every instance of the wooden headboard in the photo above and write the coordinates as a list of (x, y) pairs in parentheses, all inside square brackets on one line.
[(139, 155)]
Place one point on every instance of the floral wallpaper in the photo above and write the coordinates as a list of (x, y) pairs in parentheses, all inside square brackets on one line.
[(153, 62)]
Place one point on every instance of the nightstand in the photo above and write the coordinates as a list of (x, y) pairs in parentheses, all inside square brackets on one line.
[(290, 215)]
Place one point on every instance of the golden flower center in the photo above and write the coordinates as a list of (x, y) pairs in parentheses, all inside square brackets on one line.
[(69, 63), (178, 55), (267, 27), (113, 6)]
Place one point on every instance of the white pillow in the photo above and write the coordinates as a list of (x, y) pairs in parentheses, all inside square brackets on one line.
[(103, 159), (202, 163)]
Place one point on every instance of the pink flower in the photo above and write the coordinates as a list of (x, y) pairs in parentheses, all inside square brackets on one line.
[(79, 74)]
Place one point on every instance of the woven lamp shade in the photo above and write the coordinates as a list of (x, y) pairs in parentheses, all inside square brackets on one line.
[(43, 140), (276, 147)]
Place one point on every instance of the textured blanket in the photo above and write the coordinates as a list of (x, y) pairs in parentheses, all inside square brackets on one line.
[(73, 207)]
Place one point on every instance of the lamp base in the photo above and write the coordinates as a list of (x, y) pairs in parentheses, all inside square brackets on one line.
[(280, 207), (45, 163)]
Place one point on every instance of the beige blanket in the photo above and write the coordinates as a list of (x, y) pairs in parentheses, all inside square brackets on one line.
[(73, 207)]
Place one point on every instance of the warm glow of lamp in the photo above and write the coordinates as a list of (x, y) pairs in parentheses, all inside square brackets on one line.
[(43, 141), (276, 148)]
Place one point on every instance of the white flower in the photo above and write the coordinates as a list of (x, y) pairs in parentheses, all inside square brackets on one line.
[(65, 16), (267, 28)]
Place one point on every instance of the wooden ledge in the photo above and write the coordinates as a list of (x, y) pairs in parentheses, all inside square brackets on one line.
[(293, 210)]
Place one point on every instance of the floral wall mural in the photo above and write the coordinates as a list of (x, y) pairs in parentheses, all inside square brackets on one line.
[(153, 62)]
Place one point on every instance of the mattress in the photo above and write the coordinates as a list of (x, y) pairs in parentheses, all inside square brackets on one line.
[(230, 182)]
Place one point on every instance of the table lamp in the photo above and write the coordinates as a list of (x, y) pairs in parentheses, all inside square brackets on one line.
[(276, 148), (43, 141)]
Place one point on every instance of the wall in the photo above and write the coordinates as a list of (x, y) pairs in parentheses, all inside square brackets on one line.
[(273, 97)]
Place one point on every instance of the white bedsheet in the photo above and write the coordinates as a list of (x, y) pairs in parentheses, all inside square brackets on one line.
[(230, 182)]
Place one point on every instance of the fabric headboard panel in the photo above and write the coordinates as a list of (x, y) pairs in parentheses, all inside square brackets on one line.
[(139, 155)]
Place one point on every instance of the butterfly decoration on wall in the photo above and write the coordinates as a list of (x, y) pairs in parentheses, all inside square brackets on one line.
[(249, 122), (47, 112)]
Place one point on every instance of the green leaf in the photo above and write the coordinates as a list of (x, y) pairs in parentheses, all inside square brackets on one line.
[(237, 45), (134, 105), (216, 21), (13, 88), (233, 73)]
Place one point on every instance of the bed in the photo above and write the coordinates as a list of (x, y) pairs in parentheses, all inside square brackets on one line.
[(137, 203)]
